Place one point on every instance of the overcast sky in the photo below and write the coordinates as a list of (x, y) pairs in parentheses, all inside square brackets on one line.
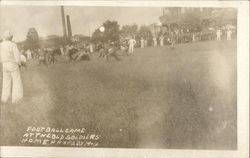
[(47, 19)]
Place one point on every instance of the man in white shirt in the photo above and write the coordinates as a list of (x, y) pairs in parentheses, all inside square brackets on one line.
[(131, 44), (11, 60)]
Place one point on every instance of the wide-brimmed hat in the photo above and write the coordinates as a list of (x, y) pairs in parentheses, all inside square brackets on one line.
[(7, 35)]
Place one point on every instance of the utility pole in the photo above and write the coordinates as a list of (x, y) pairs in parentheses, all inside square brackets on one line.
[(69, 27), (63, 22)]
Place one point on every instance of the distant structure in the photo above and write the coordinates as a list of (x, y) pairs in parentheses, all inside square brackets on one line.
[(63, 22), (178, 15), (69, 27)]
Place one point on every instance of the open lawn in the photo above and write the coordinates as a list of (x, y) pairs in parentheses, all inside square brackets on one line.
[(156, 98)]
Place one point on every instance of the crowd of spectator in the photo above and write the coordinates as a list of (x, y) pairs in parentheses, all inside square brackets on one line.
[(186, 35)]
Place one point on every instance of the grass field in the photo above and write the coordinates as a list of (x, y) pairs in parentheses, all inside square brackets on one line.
[(155, 98)]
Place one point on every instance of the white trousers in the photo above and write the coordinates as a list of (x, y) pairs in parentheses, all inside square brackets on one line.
[(142, 44), (155, 43), (91, 50), (161, 43), (218, 37), (131, 48), (12, 83)]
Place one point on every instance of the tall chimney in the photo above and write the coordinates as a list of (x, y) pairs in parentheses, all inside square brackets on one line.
[(69, 27), (63, 22)]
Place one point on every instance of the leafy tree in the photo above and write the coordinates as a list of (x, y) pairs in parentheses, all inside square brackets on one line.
[(128, 30), (192, 17), (145, 32), (97, 36), (111, 32), (225, 16), (32, 39), (53, 41)]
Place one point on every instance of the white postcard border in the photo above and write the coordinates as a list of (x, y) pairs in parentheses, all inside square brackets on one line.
[(242, 91)]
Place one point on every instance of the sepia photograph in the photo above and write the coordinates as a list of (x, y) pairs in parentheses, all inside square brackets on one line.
[(119, 77)]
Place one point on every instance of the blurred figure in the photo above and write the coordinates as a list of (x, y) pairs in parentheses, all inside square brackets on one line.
[(23, 60), (62, 50), (193, 38), (218, 35), (11, 60), (229, 34), (102, 49), (169, 41), (50, 55), (145, 42), (124, 48), (142, 42), (112, 51), (91, 49), (162, 40), (42, 57), (155, 41), (29, 54), (173, 40), (71, 52), (182, 31), (131, 44), (82, 54)]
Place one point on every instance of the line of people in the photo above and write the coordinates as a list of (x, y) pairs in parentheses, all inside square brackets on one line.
[(228, 33), (175, 37)]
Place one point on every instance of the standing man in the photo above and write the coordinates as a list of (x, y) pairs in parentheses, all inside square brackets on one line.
[(162, 40), (218, 35), (229, 34), (10, 58), (29, 54), (62, 50), (142, 42), (91, 49), (155, 41), (131, 44), (193, 38), (173, 39)]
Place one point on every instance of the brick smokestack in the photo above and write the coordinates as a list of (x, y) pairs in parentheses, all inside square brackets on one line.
[(63, 22), (69, 27)]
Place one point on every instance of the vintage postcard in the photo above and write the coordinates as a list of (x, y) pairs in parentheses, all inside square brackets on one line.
[(124, 79)]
